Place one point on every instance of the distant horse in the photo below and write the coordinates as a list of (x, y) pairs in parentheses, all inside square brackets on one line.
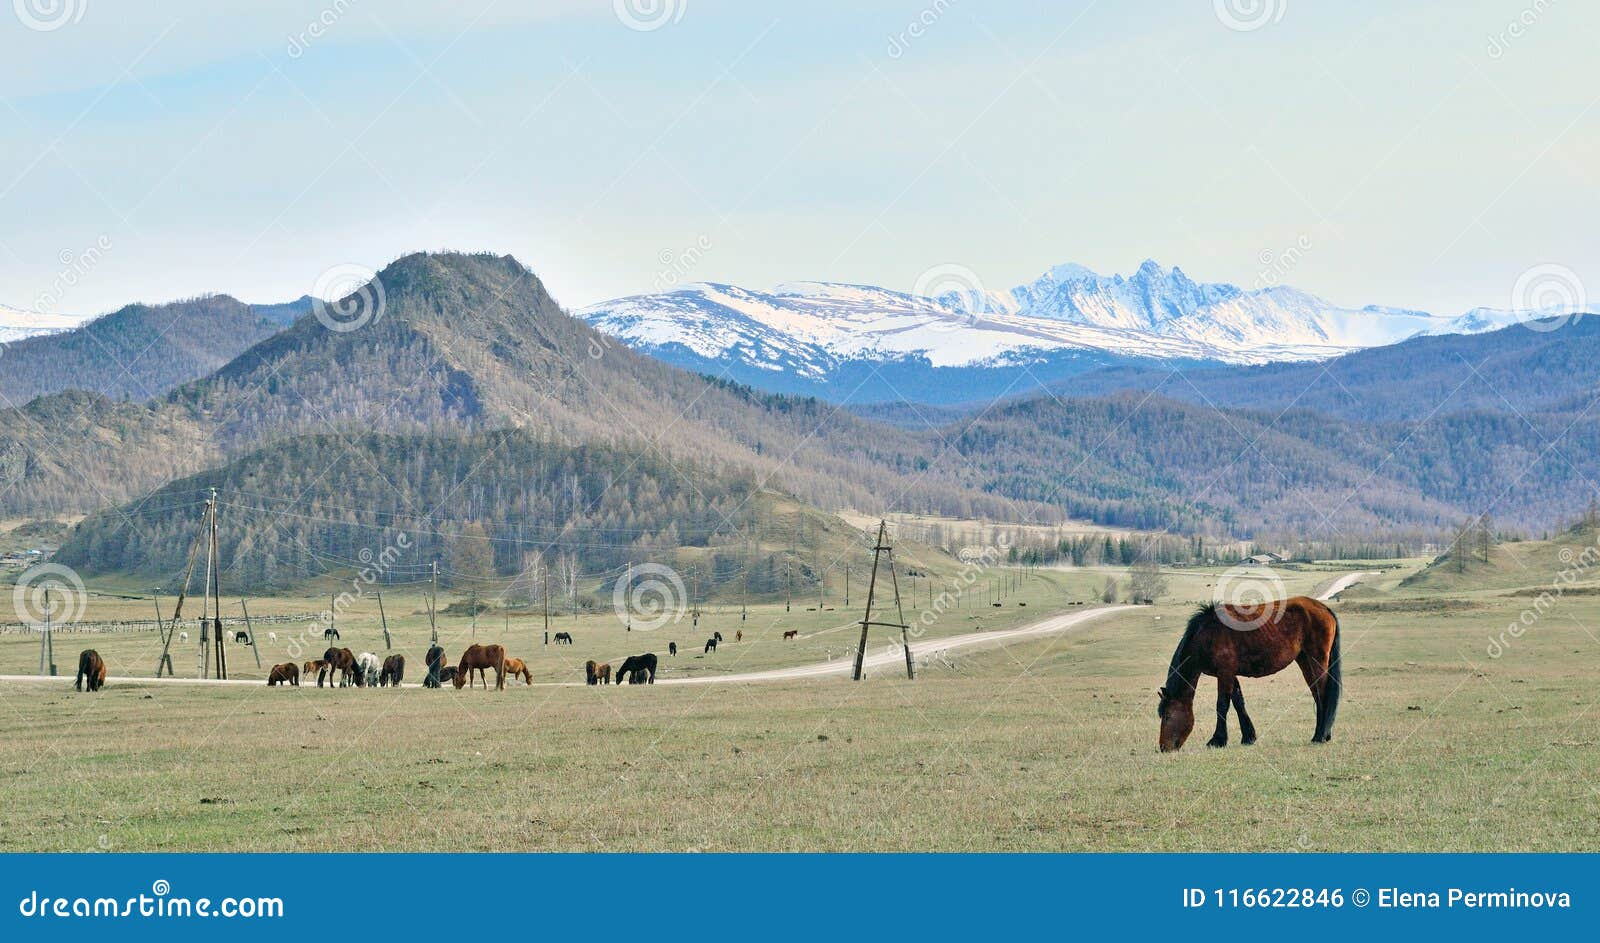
[(1233, 642), (447, 675), (563, 637), (243, 638), (479, 658), (641, 664), (738, 636), (672, 649), (368, 670), (342, 660), (435, 661), (516, 667), (711, 645), (91, 668), (314, 668), (595, 672), (792, 633), (330, 632), (394, 669), (286, 673)]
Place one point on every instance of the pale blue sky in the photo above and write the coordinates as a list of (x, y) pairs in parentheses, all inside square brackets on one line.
[(1420, 166)]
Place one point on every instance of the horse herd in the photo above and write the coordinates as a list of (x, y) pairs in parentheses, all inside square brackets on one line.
[(1227, 642)]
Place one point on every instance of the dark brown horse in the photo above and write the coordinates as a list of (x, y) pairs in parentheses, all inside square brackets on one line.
[(342, 660), (1233, 642), (447, 675), (286, 673), (91, 668), (479, 658), (394, 669), (792, 633)]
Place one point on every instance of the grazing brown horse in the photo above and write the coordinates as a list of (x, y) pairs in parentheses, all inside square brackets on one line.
[(1233, 642), (342, 660), (91, 668), (313, 668), (595, 672), (517, 668), (447, 675), (479, 658), (286, 673), (738, 636), (394, 669), (792, 633)]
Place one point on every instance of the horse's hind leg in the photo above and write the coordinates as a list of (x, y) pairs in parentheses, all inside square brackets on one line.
[(1247, 730), (1225, 688), (1316, 680)]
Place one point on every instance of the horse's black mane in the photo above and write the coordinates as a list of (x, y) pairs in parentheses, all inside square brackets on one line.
[(1175, 675)]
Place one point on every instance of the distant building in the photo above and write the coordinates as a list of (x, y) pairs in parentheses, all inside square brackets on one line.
[(1264, 559)]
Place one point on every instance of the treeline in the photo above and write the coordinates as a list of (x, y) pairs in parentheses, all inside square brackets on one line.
[(486, 505)]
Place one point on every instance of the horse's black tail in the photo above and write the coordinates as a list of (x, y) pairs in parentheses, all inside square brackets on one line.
[(1330, 697)]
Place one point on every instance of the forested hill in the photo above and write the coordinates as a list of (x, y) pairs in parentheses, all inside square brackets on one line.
[(140, 351), (482, 504), (1551, 366), (458, 343)]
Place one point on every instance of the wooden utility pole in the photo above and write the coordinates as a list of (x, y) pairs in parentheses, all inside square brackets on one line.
[(388, 643), (165, 663), (47, 647), (547, 605), (628, 620), (250, 630), (215, 579), (433, 605), (867, 622), (847, 585)]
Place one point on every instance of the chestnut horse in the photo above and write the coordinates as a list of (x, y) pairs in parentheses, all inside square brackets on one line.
[(516, 667), (91, 668), (394, 669), (595, 672), (342, 660), (313, 668), (1233, 642), (286, 673), (479, 658)]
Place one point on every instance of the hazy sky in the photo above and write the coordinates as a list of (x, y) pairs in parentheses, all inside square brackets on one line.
[(1418, 154)]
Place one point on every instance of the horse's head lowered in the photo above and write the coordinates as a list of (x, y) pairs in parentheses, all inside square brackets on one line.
[(1177, 721)]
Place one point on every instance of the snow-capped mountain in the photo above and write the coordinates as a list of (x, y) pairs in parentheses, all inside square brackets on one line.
[(823, 337), (17, 323)]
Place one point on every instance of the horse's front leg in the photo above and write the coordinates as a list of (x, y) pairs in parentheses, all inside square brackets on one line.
[(1247, 730), (1225, 686)]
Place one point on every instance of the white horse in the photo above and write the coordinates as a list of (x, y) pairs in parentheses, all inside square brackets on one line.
[(367, 663)]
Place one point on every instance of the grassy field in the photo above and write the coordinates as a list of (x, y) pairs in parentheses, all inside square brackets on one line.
[(1042, 745)]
